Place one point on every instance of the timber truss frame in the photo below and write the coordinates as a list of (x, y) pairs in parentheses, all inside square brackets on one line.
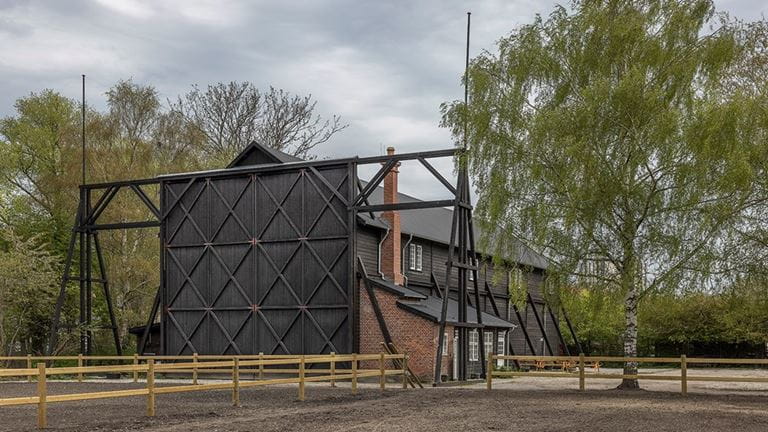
[(463, 256), (85, 235)]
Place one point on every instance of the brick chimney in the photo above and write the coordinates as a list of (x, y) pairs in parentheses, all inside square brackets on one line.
[(390, 249)]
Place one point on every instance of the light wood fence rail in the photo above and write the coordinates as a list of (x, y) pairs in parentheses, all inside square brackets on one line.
[(235, 366), (581, 363)]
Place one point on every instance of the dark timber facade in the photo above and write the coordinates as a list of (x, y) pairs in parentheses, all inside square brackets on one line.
[(282, 256)]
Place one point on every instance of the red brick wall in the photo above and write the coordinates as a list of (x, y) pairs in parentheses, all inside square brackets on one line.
[(411, 334)]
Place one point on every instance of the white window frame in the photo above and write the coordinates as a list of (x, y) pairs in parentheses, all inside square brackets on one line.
[(474, 342), (501, 347), (446, 341), (415, 257), (488, 342)]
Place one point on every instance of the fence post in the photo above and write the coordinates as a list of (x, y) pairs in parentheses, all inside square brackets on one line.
[(29, 366), (42, 409), (683, 375), (382, 374), (489, 372), (301, 378), (354, 373), (194, 368), (235, 381), (405, 370), (136, 371), (582, 373), (80, 364), (261, 365), (151, 387), (333, 369)]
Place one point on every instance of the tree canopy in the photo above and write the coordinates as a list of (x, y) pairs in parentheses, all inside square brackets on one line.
[(137, 136), (623, 139)]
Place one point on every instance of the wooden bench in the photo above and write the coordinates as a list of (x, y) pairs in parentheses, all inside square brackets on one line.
[(594, 365), (564, 365)]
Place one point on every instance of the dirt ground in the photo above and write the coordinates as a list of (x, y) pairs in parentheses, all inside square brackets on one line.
[(522, 404)]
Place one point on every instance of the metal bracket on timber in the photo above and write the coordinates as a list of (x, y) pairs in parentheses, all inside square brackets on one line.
[(85, 233)]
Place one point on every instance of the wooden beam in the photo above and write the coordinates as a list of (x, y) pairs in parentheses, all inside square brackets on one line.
[(541, 324), (437, 175), (374, 302), (408, 156), (523, 328)]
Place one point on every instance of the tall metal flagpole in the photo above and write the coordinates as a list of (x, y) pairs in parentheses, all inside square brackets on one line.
[(466, 81), (88, 241), (471, 258), (458, 220), (85, 342), (82, 135)]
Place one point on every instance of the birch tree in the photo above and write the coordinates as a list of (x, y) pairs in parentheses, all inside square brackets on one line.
[(613, 137)]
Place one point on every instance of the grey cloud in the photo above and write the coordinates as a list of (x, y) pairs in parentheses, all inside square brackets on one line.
[(384, 66)]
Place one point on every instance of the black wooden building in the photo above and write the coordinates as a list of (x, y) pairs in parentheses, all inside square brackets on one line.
[(262, 256)]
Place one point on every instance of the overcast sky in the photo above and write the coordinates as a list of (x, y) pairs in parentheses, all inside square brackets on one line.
[(385, 67)]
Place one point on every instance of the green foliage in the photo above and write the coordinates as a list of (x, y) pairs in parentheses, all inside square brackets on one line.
[(29, 277), (136, 137), (596, 317), (737, 315), (517, 287), (619, 138), (39, 153)]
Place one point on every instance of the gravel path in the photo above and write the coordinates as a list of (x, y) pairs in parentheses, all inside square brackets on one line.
[(524, 404)]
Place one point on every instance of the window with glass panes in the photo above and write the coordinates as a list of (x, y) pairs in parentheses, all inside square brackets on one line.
[(500, 348), (474, 345), (488, 342), (415, 257)]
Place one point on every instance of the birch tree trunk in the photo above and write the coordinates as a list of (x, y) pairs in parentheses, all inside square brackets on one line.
[(630, 337)]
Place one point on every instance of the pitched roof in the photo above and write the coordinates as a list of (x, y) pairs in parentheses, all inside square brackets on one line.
[(401, 291), (435, 224), (257, 154), (431, 308)]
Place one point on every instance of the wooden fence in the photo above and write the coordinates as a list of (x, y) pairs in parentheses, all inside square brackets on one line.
[(234, 366), (581, 363)]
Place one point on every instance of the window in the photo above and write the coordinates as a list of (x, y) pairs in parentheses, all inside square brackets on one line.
[(474, 343), (500, 348), (488, 342), (446, 341), (414, 257)]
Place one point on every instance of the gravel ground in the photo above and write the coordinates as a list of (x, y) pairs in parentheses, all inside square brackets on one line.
[(522, 404)]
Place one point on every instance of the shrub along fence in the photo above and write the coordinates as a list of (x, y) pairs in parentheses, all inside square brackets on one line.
[(581, 363), (233, 366)]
